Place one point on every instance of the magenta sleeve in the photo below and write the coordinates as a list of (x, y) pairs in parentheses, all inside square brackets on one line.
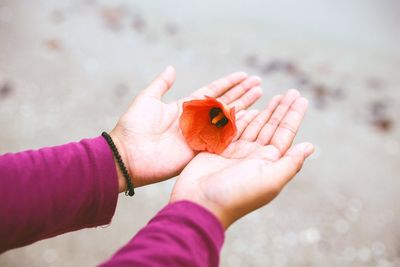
[(181, 234), (54, 190)]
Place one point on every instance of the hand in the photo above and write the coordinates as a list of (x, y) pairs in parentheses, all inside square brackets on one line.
[(148, 135), (254, 168)]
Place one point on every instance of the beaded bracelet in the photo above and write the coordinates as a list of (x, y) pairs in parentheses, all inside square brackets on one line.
[(130, 191)]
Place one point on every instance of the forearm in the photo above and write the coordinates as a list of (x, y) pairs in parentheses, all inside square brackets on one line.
[(182, 234), (55, 190)]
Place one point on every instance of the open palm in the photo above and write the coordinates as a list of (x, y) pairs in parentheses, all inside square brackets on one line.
[(148, 133), (253, 169)]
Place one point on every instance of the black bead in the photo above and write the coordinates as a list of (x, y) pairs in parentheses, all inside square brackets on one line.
[(130, 191)]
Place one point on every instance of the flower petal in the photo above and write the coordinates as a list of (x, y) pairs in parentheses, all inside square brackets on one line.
[(198, 130)]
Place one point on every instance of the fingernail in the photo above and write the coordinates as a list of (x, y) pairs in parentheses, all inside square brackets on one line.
[(169, 70), (257, 79), (303, 100), (241, 74), (308, 149), (294, 92), (257, 89)]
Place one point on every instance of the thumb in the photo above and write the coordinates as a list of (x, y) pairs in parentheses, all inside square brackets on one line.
[(160, 85), (291, 163)]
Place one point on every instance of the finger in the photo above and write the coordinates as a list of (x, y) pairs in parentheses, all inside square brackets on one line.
[(240, 89), (160, 85), (290, 164), (287, 129), (269, 154), (220, 86), (264, 137), (251, 132), (247, 99), (242, 123), (240, 114)]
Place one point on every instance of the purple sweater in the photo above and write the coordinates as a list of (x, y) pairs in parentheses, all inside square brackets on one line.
[(47, 192)]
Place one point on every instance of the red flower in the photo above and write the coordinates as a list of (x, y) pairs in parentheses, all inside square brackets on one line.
[(208, 124)]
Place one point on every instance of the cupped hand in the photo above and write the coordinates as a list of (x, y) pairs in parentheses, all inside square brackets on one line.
[(148, 135), (254, 168)]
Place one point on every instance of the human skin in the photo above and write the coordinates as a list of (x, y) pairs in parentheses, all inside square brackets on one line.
[(254, 168), (148, 136)]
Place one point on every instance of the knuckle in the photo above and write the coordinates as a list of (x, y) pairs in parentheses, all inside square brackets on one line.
[(297, 162), (255, 124), (238, 105), (287, 126), (275, 188), (274, 121), (239, 90), (167, 82), (274, 152), (261, 140)]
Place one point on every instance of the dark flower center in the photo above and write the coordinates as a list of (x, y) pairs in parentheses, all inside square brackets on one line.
[(218, 118)]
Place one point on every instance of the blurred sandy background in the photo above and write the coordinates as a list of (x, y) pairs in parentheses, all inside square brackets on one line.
[(68, 69)]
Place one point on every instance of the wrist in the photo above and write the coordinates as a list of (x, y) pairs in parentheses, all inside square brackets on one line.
[(202, 201)]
